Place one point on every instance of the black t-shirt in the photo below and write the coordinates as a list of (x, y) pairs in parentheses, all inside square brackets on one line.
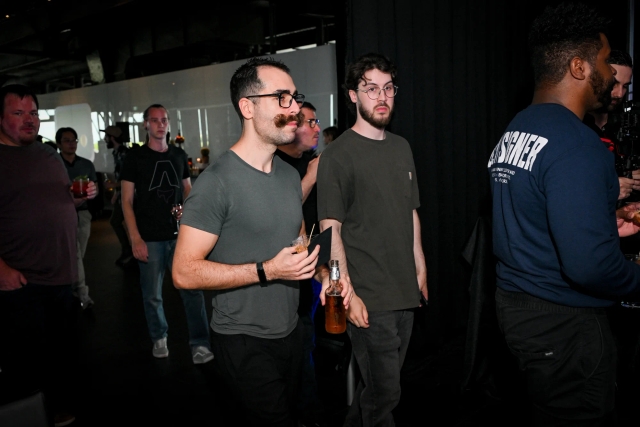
[(310, 206), (158, 185), (310, 215)]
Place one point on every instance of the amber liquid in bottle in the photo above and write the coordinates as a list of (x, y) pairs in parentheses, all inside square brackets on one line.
[(335, 316)]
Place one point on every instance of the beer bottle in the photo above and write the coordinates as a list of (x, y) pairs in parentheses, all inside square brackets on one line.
[(335, 316)]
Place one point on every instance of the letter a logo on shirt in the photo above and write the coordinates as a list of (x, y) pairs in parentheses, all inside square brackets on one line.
[(165, 179)]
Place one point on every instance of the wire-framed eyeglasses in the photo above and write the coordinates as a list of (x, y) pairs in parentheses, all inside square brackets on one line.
[(285, 99), (312, 122), (374, 92)]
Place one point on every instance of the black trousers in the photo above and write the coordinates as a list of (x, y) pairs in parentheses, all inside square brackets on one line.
[(38, 344), (567, 355), (263, 374), (116, 221)]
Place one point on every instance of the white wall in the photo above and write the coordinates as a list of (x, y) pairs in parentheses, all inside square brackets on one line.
[(201, 97)]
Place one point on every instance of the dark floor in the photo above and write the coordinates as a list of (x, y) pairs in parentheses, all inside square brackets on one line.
[(122, 384)]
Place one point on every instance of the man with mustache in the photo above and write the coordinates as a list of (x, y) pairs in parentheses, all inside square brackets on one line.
[(555, 229), (38, 262), (155, 177), (235, 240), (368, 194), (598, 119), (301, 155)]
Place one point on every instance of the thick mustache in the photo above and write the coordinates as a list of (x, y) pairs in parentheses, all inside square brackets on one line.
[(281, 120)]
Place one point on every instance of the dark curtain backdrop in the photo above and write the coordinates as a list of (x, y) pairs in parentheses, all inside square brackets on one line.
[(463, 74)]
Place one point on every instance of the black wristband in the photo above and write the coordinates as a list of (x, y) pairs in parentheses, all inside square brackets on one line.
[(261, 275)]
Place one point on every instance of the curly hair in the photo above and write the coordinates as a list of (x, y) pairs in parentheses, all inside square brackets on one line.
[(356, 71), (245, 80), (561, 33)]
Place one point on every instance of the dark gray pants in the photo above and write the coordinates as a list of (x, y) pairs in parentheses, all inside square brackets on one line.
[(379, 350)]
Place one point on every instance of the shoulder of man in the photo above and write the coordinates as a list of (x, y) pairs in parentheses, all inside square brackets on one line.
[(395, 137)]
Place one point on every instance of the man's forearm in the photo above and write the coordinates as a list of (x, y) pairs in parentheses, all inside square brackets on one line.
[(307, 186), (205, 274), (130, 221), (127, 211), (337, 248)]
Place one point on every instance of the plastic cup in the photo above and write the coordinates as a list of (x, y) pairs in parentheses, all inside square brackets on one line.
[(301, 243)]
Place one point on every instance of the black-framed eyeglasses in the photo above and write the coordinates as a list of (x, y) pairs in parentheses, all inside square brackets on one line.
[(285, 99), (312, 122), (374, 92)]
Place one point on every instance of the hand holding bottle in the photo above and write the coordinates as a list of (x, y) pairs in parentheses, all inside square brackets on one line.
[(334, 309)]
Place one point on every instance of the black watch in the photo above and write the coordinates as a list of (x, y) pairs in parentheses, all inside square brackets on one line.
[(261, 275)]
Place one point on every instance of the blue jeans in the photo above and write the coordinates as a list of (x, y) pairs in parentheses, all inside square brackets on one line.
[(151, 278)]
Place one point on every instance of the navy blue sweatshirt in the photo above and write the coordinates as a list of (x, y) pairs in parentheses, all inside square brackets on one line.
[(554, 190)]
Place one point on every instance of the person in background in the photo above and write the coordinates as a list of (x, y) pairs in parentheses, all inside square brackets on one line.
[(155, 177), (204, 159), (329, 135), (598, 120), (113, 138), (301, 155), (38, 262), (67, 142)]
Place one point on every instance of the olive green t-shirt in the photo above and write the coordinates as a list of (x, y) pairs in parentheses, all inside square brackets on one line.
[(370, 187)]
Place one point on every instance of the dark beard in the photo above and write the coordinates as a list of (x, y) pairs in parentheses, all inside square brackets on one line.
[(601, 89), (369, 117)]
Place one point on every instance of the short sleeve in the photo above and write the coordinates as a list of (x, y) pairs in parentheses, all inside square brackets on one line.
[(128, 172), (206, 206), (334, 189)]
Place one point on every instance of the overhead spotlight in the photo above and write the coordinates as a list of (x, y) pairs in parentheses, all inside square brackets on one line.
[(65, 31)]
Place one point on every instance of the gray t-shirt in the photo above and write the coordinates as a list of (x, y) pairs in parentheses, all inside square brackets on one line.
[(255, 215)]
